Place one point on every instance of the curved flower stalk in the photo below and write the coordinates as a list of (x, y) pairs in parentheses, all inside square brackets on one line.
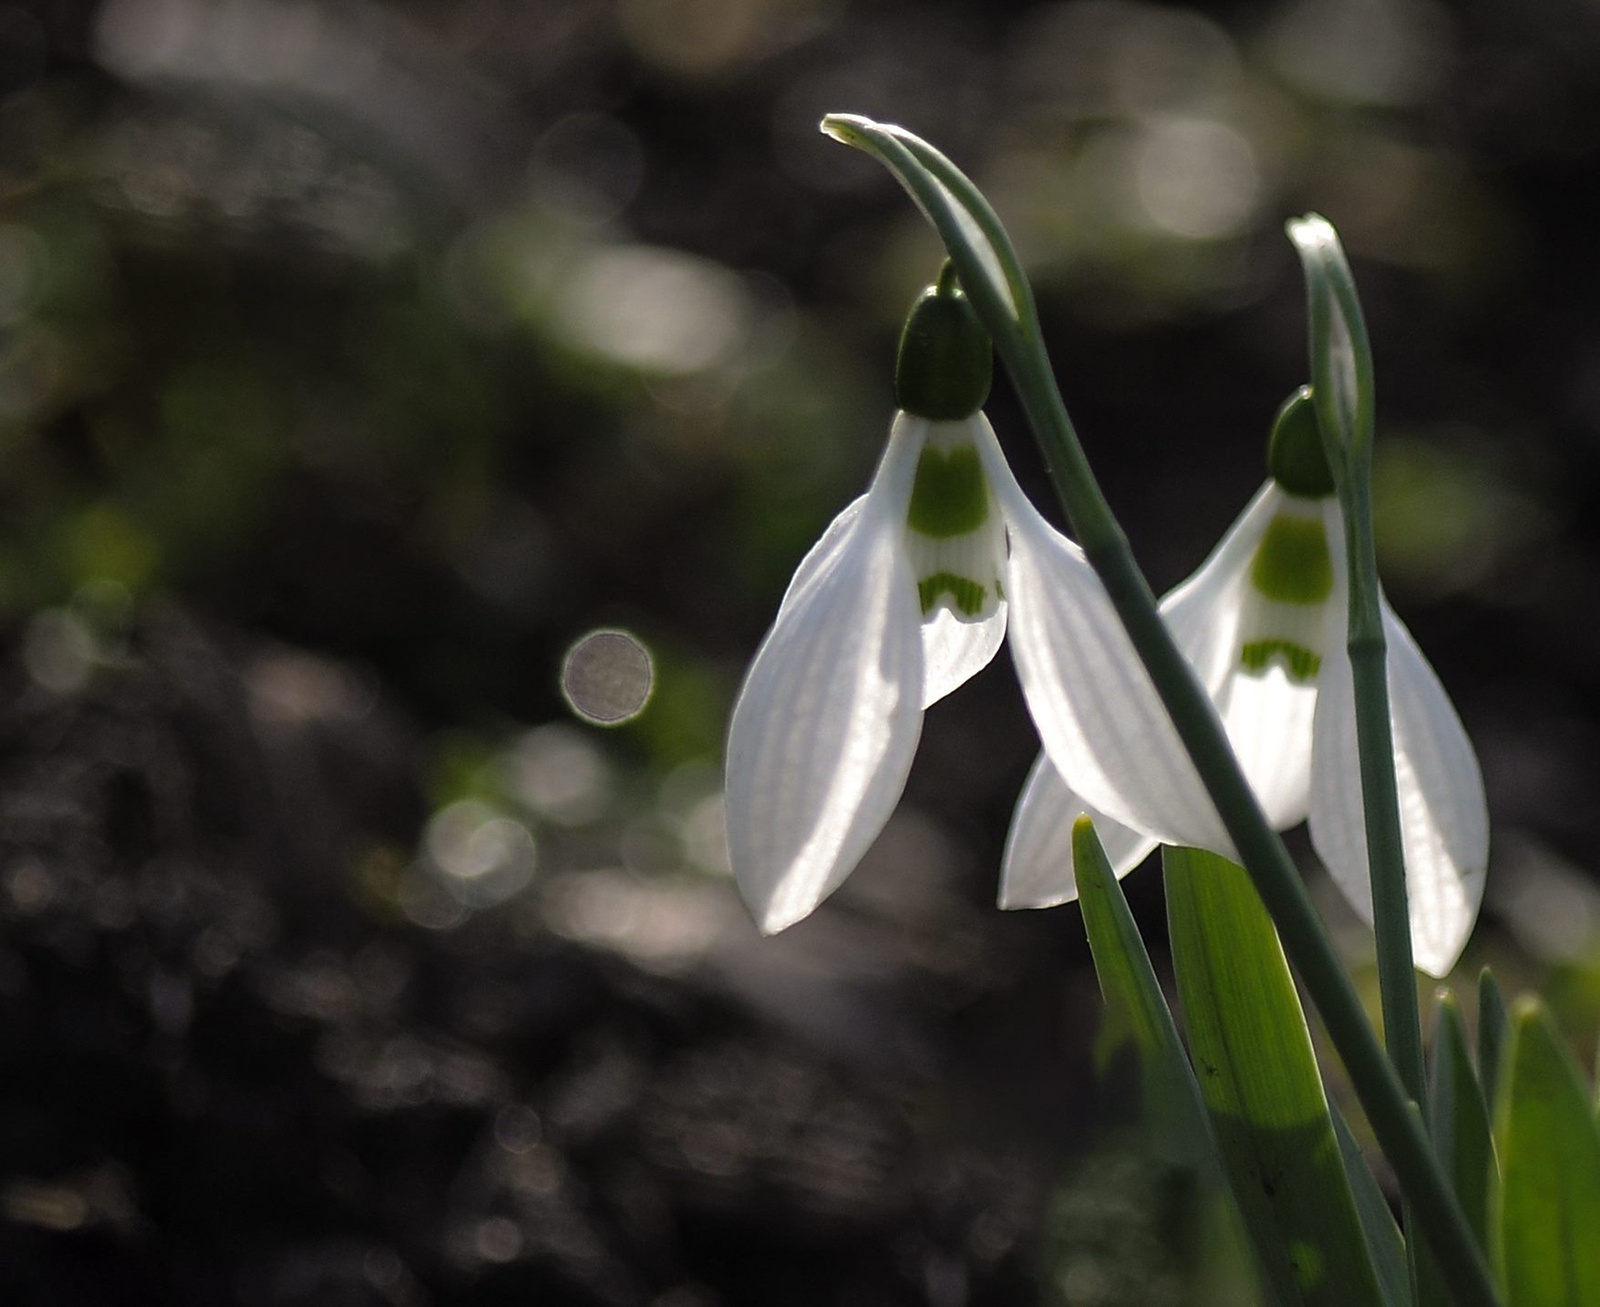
[(1263, 624), (908, 594)]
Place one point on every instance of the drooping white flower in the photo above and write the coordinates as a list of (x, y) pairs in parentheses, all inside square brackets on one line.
[(909, 593), (1263, 623)]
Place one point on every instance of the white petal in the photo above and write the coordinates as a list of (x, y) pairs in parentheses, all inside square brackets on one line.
[(1444, 821), (1203, 612), (1038, 871), (954, 651), (824, 553), (1091, 699), (957, 646), (892, 480), (1268, 718), (824, 730)]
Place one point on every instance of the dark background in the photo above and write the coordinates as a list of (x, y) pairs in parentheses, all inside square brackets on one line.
[(358, 359)]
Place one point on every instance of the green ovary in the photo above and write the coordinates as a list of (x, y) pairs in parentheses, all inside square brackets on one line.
[(1301, 663), (949, 496), (966, 594), (1291, 565)]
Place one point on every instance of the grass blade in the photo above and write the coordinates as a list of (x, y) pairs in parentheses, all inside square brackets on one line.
[(1493, 1021), (1459, 1123), (1459, 1118), (1384, 1242), (1136, 1010), (1545, 1222)]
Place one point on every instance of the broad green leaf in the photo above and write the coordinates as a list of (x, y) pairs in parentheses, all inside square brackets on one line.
[(1384, 1241), (1545, 1216), (1492, 1023), (1259, 1078), (990, 272)]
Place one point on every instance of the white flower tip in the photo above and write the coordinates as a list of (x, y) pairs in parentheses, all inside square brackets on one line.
[(774, 922), (1012, 900), (1436, 963), (1437, 949), (778, 912)]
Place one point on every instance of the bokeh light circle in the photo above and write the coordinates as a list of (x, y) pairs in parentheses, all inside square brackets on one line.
[(606, 677)]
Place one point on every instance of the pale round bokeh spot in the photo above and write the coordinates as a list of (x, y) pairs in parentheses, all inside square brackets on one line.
[(607, 677)]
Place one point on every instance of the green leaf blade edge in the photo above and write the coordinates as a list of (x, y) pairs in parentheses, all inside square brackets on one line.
[(1545, 1226), (1259, 1079)]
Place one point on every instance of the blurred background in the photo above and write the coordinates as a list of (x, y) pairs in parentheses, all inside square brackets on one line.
[(394, 397)]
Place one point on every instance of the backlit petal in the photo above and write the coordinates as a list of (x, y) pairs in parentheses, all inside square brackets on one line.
[(1266, 712), (954, 651), (1091, 699), (1444, 820), (1203, 612), (824, 730), (1037, 871), (957, 542), (822, 555), (1268, 717)]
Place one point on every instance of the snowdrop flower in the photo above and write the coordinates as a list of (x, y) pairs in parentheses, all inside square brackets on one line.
[(1263, 624), (909, 593)]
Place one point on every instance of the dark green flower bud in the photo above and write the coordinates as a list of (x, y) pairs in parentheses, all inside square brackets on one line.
[(945, 363), (1295, 455)]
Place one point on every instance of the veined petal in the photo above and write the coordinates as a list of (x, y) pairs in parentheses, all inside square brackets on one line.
[(825, 726), (1037, 871), (1093, 703), (1268, 717), (822, 555), (954, 651), (891, 480), (1444, 821), (955, 537), (1203, 612), (1266, 672)]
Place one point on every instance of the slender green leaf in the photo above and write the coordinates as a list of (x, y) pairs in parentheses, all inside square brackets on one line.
[(1459, 1118), (1136, 1010), (1492, 1024), (1259, 1078), (1459, 1124), (1545, 1219), (1384, 1241)]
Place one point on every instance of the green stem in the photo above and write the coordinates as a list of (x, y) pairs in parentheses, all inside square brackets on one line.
[(1346, 404), (1345, 408), (1007, 311)]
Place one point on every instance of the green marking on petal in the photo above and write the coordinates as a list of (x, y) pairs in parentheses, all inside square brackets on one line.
[(949, 496), (966, 594), (1301, 663), (1291, 563)]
